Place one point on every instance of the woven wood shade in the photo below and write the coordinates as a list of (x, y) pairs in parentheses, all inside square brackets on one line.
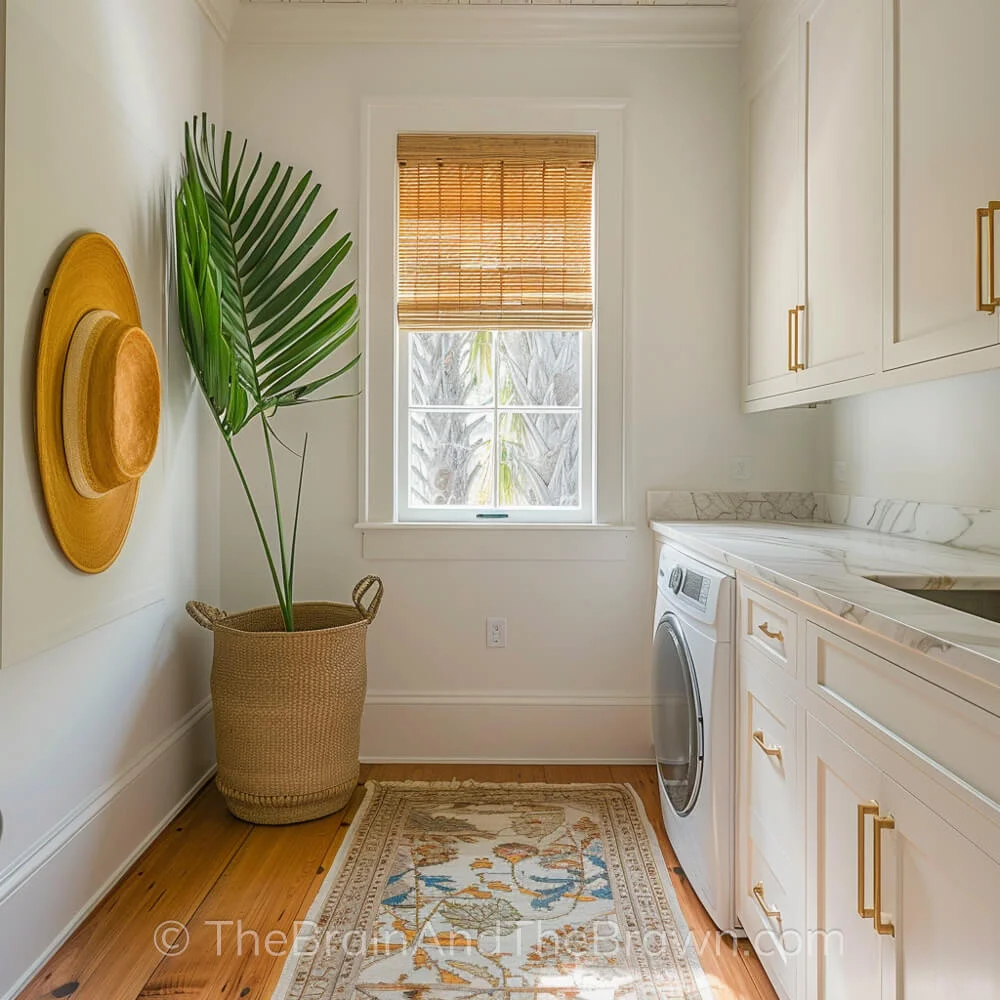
[(496, 231)]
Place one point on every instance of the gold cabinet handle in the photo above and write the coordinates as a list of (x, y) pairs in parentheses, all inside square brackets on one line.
[(769, 911), (865, 809), (992, 209), (777, 636), (990, 304), (793, 361), (799, 364), (881, 824), (794, 357), (758, 738)]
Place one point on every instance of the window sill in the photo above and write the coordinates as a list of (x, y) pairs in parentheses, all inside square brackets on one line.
[(490, 542)]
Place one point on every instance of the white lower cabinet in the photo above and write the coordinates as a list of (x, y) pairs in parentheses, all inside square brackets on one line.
[(901, 906), (941, 893), (866, 869), (844, 953)]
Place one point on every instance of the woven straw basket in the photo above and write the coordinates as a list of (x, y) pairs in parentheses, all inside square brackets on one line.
[(288, 705)]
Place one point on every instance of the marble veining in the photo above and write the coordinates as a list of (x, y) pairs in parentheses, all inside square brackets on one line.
[(832, 567), (710, 505), (975, 529)]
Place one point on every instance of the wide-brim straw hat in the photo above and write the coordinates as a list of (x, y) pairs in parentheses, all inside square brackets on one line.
[(97, 403)]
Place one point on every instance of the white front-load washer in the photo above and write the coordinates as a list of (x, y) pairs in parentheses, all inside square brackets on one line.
[(694, 718)]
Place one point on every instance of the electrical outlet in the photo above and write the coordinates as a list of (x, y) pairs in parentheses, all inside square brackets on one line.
[(496, 632), (741, 468), (840, 472)]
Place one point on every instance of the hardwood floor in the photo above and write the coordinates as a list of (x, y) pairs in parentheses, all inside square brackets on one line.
[(216, 880)]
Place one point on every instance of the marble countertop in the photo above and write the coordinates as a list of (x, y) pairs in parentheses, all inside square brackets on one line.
[(831, 566)]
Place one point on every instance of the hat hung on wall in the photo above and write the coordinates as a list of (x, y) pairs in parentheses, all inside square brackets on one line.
[(97, 403)]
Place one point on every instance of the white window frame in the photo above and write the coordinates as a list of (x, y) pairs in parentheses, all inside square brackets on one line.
[(382, 393)]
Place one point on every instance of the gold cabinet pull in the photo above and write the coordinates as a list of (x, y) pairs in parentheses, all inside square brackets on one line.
[(990, 304), (865, 809), (799, 364), (776, 636), (758, 738), (793, 315), (991, 261), (881, 824), (769, 911)]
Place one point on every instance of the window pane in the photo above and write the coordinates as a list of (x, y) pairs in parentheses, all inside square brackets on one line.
[(451, 369), (539, 368), (451, 458), (539, 460)]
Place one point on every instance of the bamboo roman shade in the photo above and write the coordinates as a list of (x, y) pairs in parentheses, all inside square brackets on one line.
[(496, 232)]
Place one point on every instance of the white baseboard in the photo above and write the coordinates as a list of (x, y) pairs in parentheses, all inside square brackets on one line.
[(47, 892), (444, 761), (583, 727)]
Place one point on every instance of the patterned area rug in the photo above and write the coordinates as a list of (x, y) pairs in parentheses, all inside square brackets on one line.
[(471, 891)]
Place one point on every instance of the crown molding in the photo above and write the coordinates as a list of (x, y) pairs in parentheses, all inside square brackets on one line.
[(221, 14), (493, 24)]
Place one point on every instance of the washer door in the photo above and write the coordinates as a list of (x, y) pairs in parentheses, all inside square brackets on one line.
[(678, 726)]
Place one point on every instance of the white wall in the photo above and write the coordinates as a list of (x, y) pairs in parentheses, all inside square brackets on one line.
[(935, 441), (578, 631), (104, 723)]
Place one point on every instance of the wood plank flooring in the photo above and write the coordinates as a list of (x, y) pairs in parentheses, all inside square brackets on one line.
[(228, 883)]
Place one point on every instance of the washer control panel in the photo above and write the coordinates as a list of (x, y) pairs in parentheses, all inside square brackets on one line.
[(695, 587), (691, 586)]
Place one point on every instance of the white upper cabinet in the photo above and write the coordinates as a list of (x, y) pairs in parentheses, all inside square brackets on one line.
[(946, 166), (890, 147), (776, 219), (841, 326), (815, 192)]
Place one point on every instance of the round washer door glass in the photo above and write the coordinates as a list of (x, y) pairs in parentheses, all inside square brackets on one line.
[(677, 719)]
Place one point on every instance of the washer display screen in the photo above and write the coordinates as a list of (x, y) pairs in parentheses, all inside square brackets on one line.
[(692, 585)]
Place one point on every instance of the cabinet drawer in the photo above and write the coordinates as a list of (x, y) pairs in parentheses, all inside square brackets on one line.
[(771, 770), (770, 627), (770, 912), (914, 714)]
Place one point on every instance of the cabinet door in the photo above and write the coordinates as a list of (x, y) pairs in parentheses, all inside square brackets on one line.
[(940, 893), (841, 328), (947, 165), (844, 957), (776, 225)]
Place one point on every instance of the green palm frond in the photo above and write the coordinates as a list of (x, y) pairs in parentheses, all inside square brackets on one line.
[(259, 280), (258, 319)]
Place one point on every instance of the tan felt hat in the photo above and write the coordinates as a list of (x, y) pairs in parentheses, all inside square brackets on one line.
[(97, 403)]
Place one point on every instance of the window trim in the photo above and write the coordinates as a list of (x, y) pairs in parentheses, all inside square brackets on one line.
[(382, 120)]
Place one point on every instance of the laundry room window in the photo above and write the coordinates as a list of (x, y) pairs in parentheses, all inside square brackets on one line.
[(495, 326)]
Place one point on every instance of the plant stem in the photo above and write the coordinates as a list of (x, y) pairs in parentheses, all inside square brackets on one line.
[(298, 507), (287, 611), (256, 517)]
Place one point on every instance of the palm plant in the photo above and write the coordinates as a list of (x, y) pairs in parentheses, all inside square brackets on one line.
[(257, 318)]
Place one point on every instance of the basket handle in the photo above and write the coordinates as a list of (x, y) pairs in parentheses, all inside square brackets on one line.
[(362, 588), (204, 614)]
